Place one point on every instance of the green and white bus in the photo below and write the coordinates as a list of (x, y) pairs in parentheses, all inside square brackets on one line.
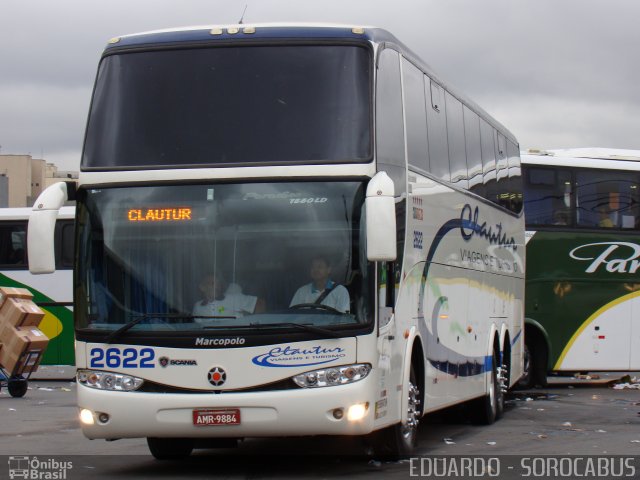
[(582, 305), (52, 293)]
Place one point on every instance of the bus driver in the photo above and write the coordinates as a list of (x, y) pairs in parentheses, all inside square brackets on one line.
[(321, 290)]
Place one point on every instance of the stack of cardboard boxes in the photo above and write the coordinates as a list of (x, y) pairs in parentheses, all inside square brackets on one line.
[(22, 344)]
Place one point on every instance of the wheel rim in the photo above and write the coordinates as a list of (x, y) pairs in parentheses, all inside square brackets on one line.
[(410, 428), (493, 393)]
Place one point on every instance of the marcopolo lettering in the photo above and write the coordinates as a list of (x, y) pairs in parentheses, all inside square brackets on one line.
[(219, 342)]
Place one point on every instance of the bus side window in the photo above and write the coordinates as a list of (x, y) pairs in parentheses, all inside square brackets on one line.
[(66, 245), (13, 245), (502, 173), (416, 116), (487, 142), (547, 198), (607, 199), (389, 121), (474, 151), (456, 141), (515, 178), (437, 132)]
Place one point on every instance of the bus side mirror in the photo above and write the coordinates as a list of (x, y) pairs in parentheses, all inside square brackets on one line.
[(381, 219), (42, 224)]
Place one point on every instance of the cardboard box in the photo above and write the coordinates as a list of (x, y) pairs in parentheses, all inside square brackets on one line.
[(18, 344), (24, 338), (21, 364), (6, 333), (20, 312), (7, 292)]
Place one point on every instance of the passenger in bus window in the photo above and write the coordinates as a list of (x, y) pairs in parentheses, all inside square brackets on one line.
[(322, 290), (560, 217), (604, 220), (230, 304)]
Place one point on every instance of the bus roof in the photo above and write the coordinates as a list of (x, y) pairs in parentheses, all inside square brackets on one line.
[(247, 33), (24, 212), (608, 158)]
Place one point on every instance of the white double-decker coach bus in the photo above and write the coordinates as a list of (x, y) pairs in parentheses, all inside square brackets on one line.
[(287, 230)]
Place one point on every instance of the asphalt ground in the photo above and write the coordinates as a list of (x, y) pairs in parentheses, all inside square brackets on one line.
[(578, 417)]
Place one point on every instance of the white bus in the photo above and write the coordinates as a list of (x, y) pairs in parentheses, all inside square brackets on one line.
[(288, 230), (52, 293)]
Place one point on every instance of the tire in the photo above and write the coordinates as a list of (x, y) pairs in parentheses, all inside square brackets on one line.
[(17, 387), (539, 364), (170, 448), (526, 381), (400, 440), (489, 408), (535, 373)]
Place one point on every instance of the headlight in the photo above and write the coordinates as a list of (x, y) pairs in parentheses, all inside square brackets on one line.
[(328, 377), (109, 381)]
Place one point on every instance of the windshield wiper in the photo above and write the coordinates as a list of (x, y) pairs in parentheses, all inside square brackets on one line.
[(137, 319), (316, 306), (302, 326)]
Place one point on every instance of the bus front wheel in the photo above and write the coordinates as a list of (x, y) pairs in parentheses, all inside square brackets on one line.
[(170, 448), (400, 440)]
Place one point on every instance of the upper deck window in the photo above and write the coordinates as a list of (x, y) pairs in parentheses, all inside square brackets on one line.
[(232, 105)]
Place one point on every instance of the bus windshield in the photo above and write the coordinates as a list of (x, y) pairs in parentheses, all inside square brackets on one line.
[(231, 105), (196, 257)]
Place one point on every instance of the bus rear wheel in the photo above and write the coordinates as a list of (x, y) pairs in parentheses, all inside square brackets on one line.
[(170, 448), (489, 408)]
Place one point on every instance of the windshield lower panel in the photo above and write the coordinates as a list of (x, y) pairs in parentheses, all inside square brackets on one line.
[(217, 259)]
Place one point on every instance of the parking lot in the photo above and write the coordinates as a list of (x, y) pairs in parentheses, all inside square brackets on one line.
[(570, 417)]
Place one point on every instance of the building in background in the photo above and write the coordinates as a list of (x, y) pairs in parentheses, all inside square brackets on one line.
[(23, 178)]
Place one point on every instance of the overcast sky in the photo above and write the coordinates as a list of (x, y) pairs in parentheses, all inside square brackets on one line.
[(557, 73)]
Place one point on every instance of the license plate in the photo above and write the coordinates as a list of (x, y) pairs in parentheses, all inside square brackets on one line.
[(218, 416)]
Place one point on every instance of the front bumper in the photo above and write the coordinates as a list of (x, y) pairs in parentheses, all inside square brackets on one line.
[(295, 412)]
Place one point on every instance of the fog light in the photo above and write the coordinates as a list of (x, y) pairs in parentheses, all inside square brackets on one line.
[(86, 417), (357, 412), (338, 413), (103, 417)]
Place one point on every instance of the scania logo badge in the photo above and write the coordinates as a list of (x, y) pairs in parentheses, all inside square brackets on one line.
[(164, 361), (217, 376)]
